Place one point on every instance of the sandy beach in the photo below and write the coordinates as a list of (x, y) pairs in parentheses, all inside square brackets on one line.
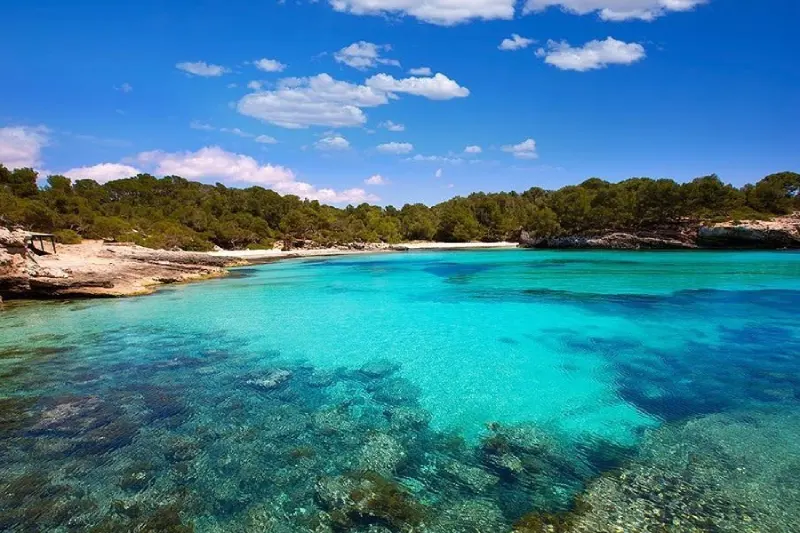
[(268, 255)]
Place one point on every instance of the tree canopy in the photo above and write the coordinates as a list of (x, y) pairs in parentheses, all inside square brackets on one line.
[(174, 212)]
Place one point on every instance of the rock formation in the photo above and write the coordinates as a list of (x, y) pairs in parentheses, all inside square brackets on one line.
[(781, 232)]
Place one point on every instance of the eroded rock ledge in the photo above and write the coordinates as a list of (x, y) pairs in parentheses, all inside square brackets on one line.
[(782, 232), (94, 269)]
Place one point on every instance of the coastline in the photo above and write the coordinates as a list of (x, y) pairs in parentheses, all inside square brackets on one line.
[(94, 269), (259, 256)]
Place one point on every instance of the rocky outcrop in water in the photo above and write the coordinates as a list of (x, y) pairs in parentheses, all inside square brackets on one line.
[(781, 232), (613, 241)]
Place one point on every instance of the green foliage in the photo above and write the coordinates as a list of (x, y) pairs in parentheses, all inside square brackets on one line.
[(67, 236), (172, 212)]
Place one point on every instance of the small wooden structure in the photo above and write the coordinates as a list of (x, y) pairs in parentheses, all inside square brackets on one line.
[(31, 238)]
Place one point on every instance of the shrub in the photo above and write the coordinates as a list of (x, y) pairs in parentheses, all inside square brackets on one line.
[(67, 236)]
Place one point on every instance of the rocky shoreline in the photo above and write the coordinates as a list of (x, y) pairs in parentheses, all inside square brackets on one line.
[(780, 233), (95, 269)]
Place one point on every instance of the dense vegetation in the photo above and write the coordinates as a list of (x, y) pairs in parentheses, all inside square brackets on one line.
[(174, 212)]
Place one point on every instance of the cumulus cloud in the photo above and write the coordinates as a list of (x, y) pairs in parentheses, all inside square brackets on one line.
[(102, 173), (524, 150), (377, 179), (420, 71), (212, 162), (363, 55), (438, 87), (616, 10), (265, 139), (516, 42), (254, 85), (395, 148), (438, 173), (125, 88), (201, 68), (269, 65), (332, 143), (474, 149), (21, 146), (592, 55), (441, 12), (316, 101), (392, 126)]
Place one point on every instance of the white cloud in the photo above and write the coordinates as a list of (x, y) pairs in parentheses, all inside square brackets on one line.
[(197, 125), (438, 87), (441, 12), (616, 10), (333, 142), (377, 179), (232, 85), (474, 149), (395, 148), (237, 132), (593, 55), (435, 159), (515, 43), (438, 173), (212, 162), (363, 55), (21, 146), (421, 71), (269, 65), (102, 173), (125, 88), (524, 150), (392, 126), (201, 68), (316, 101), (265, 139), (254, 85)]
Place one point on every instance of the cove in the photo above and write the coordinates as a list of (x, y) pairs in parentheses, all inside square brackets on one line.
[(450, 387)]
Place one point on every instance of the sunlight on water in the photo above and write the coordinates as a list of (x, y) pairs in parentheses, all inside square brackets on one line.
[(461, 391)]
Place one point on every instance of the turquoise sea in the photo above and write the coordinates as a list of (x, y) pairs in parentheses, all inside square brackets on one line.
[(470, 391)]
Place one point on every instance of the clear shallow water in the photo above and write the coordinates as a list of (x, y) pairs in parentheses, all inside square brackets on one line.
[(463, 385)]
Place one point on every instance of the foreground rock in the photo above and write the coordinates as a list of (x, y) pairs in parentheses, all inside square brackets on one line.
[(95, 269), (727, 473)]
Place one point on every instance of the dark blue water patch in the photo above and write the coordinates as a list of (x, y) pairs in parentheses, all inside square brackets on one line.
[(748, 366), (508, 340), (452, 270), (566, 261)]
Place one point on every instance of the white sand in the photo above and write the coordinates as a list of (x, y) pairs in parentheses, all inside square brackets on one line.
[(255, 255)]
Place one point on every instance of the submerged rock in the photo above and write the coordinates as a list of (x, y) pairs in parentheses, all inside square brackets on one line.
[(271, 380), (471, 516), (382, 453), (476, 479), (721, 473), (379, 368), (364, 498)]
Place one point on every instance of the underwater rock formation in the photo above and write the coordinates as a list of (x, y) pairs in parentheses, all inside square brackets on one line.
[(722, 473)]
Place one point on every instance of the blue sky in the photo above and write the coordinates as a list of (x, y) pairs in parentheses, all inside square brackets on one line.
[(607, 88)]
